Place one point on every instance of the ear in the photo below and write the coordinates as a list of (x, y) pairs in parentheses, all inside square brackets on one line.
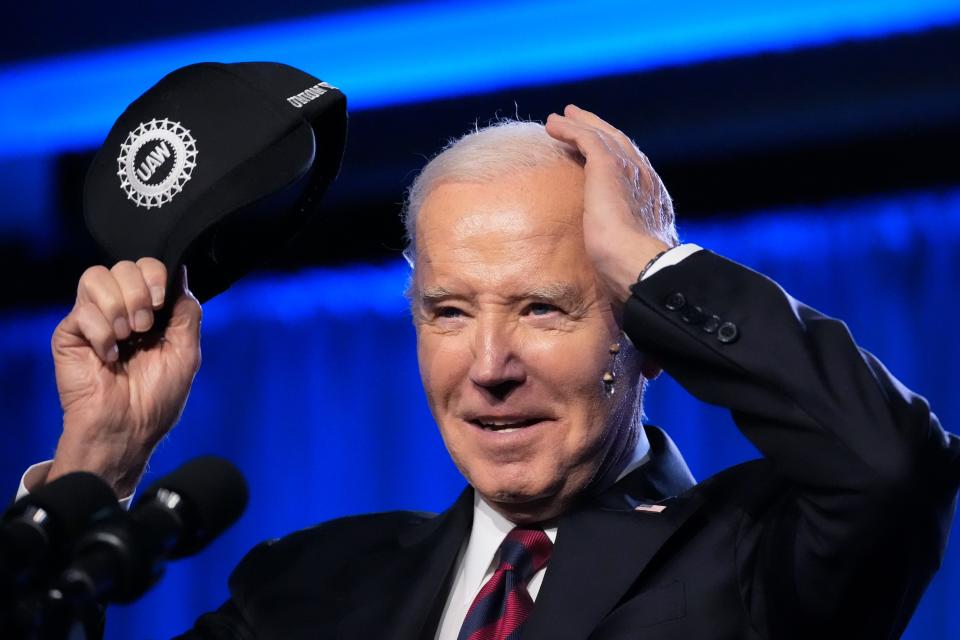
[(650, 369)]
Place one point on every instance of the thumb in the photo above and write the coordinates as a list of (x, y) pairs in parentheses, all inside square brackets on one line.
[(186, 314)]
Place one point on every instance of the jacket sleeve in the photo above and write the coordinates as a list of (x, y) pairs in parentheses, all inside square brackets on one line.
[(869, 477), (226, 623), (233, 620)]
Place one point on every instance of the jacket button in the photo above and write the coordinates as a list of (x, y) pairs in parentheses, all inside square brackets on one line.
[(727, 332), (675, 301), (711, 324), (693, 315)]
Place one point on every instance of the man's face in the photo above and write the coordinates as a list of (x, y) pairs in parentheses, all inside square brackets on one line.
[(513, 337)]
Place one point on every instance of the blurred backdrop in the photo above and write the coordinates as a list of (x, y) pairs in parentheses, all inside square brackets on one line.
[(814, 140)]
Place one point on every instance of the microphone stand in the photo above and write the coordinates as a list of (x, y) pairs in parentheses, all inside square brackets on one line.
[(51, 615)]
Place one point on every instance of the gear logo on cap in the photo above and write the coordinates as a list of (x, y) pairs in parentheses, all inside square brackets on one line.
[(155, 162)]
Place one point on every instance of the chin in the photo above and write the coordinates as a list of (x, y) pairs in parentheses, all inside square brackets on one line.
[(514, 483), (525, 510), (525, 500)]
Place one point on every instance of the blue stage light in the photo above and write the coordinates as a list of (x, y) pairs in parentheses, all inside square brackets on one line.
[(420, 51)]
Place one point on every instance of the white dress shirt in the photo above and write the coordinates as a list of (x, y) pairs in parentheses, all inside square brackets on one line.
[(36, 476), (481, 555)]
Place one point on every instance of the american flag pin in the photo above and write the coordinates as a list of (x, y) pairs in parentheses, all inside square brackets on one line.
[(650, 508)]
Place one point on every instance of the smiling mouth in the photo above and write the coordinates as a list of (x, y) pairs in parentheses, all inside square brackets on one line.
[(504, 426)]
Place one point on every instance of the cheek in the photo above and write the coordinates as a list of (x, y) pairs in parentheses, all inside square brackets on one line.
[(443, 365), (571, 368), (571, 363)]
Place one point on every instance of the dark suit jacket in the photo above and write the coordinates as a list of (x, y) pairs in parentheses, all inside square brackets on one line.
[(834, 534)]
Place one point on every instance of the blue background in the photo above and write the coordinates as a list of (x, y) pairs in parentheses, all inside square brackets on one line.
[(310, 383), (309, 380)]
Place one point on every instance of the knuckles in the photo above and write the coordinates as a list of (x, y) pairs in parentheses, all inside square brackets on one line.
[(151, 263), (93, 283), (123, 265), (91, 274)]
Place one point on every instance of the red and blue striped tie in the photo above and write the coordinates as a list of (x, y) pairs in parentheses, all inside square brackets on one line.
[(504, 604)]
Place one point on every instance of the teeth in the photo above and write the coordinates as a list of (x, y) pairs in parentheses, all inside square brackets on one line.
[(505, 427)]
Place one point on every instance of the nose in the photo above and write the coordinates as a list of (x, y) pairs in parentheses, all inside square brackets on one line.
[(497, 368)]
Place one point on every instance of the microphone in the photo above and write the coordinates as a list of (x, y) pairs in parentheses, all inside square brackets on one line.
[(38, 531), (121, 557)]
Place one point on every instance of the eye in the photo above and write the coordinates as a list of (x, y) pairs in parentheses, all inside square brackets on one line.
[(541, 309), (448, 312)]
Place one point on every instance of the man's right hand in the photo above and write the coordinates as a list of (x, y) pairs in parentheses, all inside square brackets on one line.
[(122, 391)]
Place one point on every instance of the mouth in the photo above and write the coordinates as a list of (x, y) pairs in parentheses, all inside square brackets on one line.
[(504, 425)]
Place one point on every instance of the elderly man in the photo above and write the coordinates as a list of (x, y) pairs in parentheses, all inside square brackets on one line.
[(548, 285)]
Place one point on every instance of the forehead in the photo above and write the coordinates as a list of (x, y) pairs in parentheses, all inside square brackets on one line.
[(506, 232)]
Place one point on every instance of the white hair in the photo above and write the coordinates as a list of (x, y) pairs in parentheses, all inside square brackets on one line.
[(509, 146)]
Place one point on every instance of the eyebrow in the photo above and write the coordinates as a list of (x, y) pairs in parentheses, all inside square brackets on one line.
[(563, 294), (434, 294)]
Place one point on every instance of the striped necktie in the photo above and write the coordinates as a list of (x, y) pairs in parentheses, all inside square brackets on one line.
[(504, 604)]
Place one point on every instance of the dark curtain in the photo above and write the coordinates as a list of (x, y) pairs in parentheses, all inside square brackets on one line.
[(310, 383)]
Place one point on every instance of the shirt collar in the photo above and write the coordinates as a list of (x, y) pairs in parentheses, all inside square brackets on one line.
[(490, 527), (486, 536), (639, 457)]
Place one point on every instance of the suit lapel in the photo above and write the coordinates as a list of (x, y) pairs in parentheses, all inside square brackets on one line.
[(407, 599), (604, 546)]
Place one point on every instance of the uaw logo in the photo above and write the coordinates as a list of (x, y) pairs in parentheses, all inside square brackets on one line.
[(155, 161)]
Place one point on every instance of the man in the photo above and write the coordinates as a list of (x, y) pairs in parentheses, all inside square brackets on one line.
[(534, 253)]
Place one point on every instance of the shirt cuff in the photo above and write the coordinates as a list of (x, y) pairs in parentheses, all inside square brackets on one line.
[(671, 257), (36, 475)]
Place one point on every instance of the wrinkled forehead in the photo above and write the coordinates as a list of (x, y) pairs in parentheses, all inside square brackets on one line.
[(521, 226), (516, 203)]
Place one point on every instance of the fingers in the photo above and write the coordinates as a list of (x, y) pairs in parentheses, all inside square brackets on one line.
[(97, 331), (595, 145), (617, 141), (136, 295), (605, 157), (652, 202), (98, 286), (585, 138), (627, 146), (155, 276), (122, 299)]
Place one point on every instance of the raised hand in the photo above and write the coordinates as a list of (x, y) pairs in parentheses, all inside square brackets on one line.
[(628, 214), (122, 382)]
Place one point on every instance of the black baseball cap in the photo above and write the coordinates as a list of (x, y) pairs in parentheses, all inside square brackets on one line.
[(216, 166)]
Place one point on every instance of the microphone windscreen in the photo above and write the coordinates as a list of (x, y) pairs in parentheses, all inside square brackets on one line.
[(72, 502), (216, 166), (213, 495)]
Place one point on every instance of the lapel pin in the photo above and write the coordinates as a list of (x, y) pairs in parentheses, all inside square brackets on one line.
[(650, 508)]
